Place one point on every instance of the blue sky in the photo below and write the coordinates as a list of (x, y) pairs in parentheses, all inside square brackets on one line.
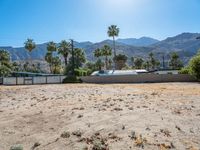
[(87, 20)]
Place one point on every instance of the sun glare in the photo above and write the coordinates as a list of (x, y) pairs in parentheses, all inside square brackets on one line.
[(118, 5)]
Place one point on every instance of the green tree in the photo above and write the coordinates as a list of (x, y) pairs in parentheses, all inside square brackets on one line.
[(99, 64), (138, 63), (5, 65), (120, 61), (29, 45), (15, 66), (98, 54), (146, 65), (51, 47), (153, 63), (64, 49), (175, 62), (91, 66), (79, 57), (56, 65), (194, 66), (113, 31), (49, 60), (106, 51), (25, 66)]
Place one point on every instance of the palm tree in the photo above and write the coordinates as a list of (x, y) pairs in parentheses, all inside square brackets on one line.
[(98, 54), (49, 59), (138, 63), (29, 45), (113, 31), (79, 57), (51, 47), (64, 49), (120, 61), (106, 51), (56, 63), (175, 62)]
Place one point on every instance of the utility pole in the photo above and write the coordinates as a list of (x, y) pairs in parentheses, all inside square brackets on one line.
[(72, 46)]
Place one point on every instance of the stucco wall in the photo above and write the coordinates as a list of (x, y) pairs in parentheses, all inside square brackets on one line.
[(141, 78), (32, 80), (20, 80), (39, 80), (54, 79)]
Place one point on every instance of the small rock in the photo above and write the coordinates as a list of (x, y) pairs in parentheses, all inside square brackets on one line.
[(65, 134), (148, 129), (77, 133), (133, 135), (35, 145), (80, 116), (178, 128)]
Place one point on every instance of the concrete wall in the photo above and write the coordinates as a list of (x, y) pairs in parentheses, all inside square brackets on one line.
[(141, 78), (32, 80), (39, 80)]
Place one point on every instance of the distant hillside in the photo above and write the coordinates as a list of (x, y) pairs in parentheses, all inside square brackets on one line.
[(143, 41), (185, 44), (182, 42), (120, 48)]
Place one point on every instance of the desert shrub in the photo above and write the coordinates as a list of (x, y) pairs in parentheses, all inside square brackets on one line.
[(194, 66), (99, 145), (72, 79), (16, 147), (82, 72), (185, 70)]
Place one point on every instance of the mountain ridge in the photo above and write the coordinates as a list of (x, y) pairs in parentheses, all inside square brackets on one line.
[(185, 44)]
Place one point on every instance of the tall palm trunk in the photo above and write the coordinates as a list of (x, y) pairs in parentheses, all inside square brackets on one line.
[(114, 46), (50, 67), (30, 59), (65, 59), (106, 62), (100, 64), (114, 52)]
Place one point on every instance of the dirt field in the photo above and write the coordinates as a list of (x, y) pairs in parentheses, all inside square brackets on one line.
[(101, 117)]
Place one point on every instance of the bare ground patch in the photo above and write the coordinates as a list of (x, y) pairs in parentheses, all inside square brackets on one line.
[(101, 117)]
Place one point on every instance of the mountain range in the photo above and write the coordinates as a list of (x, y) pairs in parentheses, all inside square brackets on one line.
[(185, 44)]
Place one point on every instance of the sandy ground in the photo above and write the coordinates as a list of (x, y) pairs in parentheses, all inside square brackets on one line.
[(101, 117)]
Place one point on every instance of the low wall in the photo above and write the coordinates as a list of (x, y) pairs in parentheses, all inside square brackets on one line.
[(33, 80), (141, 78)]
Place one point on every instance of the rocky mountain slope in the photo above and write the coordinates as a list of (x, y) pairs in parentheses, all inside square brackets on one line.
[(185, 44)]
